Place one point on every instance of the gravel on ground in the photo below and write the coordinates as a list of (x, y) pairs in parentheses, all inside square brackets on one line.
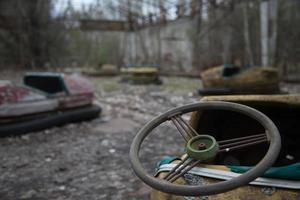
[(89, 160)]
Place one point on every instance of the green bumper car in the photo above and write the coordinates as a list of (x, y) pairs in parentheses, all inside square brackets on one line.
[(140, 75)]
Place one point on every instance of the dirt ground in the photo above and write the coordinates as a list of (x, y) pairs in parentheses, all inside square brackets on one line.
[(89, 160)]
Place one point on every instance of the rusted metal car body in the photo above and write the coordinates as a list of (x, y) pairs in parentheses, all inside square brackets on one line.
[(284, 180), (224, 80), (44, 95)]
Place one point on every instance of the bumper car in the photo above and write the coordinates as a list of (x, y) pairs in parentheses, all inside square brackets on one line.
[(43, 101), (140, 75), (231, 79), (235, 147)]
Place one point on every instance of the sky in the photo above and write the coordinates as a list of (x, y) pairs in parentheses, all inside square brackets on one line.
[(60, 5)]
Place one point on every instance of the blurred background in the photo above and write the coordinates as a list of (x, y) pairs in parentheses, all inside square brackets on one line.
[(179, 36), (120, 46)]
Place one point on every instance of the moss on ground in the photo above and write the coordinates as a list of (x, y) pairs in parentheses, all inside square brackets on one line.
[(107, 84), (174, 84)]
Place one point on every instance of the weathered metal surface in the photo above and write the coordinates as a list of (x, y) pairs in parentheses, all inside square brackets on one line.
[(287, 100), (76, 84), (221, 172), (267, 160), (11, 94), (254, 80), (279, 101), (286, 103), (18, 100), (140, 70), (73, 90), (243, 193), (276, 102), (71, 101), (80, 91), (140, 75), (27, 107)]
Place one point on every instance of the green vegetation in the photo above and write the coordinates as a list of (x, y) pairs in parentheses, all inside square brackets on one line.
[(174, 84), (107, 84)]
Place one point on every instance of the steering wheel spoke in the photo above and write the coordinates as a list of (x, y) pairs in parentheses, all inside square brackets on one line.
[(193, 163), (188, 163), (183, 164), (242, 142), (185, 130), (189, 128)]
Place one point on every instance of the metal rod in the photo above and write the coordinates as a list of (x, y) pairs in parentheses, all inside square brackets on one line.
[(242, 142), (189, 126), (179, 169), (176, 167), (184, 171), (183, 127), (241, 138), (179, 129), (242, 146)]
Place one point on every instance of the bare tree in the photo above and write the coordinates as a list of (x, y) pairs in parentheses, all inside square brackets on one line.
[(273, 6), (197, 11), (31, 31), (264, 30), (248, 49)]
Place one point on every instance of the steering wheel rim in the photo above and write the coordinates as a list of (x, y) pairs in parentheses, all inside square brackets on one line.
[(184, 190)]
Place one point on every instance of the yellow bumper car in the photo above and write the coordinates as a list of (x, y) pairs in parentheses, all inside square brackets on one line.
[(231, 79), (140, 75), (236, 147)]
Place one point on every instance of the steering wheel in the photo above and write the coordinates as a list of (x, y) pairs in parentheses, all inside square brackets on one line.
[(200, 148)]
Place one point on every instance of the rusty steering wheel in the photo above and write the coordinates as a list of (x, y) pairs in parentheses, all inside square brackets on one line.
[(203, 147)]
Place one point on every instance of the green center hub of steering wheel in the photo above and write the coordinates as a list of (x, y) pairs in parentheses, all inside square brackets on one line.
[(202, 147)]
